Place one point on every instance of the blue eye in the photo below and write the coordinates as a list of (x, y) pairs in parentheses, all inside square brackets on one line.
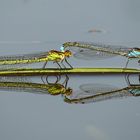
[(130, 54), (134, 53), (137, 52)]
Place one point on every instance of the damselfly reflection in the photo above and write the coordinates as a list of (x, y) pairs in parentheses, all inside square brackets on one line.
[(88, 92), (101, 51), (34, 87), (100, 92)]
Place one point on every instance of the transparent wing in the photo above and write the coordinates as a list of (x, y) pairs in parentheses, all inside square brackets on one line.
[(97, 88), (20, 57), (22, 44), (24, 87), (86, 50), (97, 92), (15, 79), (93, 89), (29, 84), (24, 56), (88, 54)]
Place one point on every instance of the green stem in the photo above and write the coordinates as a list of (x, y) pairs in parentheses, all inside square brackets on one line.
[(31, 72)]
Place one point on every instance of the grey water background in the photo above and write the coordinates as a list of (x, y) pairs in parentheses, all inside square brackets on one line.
[(48, 24)]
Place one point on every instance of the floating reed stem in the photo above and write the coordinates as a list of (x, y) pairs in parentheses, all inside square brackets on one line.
[(52, 71)]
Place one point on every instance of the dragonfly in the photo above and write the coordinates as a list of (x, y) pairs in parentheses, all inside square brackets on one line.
[(100, 92), (87, 50), (33, 87)]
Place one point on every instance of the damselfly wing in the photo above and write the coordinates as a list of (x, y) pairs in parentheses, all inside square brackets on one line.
[(99, 92), (96, 51)]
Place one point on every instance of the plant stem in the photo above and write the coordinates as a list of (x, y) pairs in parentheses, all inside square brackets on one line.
[(51, 71)]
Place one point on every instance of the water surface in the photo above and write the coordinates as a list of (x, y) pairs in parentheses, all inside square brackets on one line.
[(32, 116)]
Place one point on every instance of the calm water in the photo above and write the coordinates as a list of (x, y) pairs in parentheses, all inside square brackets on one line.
[(33, 116)]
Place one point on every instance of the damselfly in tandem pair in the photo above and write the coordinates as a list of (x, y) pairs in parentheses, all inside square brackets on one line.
[(95, 92), (100, 92), (20, 84), (52, 55), (101, 51)]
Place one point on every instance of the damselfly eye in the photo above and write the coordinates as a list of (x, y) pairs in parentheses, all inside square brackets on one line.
[(68, 91), (137, 49), (68, 53)]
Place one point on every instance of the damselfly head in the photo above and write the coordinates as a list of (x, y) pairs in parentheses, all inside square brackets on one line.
[(67, 100), (68, 91), (136, 49), (68, 53), (134, 53), (135, 92)]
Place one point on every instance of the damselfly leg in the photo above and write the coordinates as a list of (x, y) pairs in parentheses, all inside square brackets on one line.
[(67, 78), (127, 63), (44, 65), (66, 81), (128, 79), (57, 76), (68, 63), (57, 80)]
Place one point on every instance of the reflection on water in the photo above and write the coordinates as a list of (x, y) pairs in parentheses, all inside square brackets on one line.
[(40, 88), (86, 93), (99, 94), (35, 116)]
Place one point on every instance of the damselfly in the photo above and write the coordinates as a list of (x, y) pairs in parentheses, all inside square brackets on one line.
[(101, 51), (100, 92), (34, 87), (53, 55), (20, 60), (101, 96)]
